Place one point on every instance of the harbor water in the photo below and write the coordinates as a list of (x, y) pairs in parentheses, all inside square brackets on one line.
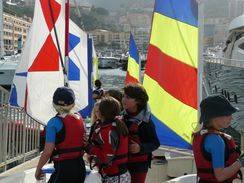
[(112, 78)]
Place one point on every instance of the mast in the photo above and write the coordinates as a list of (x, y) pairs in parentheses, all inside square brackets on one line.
[(66, 42), (200, 51), (1, 30)]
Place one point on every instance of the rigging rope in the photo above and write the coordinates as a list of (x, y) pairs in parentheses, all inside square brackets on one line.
[(57, 41)]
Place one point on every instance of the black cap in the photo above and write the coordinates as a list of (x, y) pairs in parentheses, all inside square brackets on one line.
[(215, 106), (63, 96)]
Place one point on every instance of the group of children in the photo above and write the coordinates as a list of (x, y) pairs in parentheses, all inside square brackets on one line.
[(123, 137), (119, 145)]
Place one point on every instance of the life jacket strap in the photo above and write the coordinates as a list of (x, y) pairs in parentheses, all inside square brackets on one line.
[(69, 150), (121, 156), (205, 170)]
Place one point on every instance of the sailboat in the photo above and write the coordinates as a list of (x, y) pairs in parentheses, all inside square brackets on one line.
[(42, 67), (57, 53), (173, 79)]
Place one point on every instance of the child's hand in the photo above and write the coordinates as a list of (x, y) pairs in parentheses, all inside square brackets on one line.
[(39, 174)]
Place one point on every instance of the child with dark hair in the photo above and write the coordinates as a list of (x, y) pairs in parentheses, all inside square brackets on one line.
[(116, 94), (98, 87), (142, 135), (109, 143)]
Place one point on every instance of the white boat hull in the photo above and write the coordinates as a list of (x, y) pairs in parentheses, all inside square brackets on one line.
[(191, 178), (179, 166), (28, 176)]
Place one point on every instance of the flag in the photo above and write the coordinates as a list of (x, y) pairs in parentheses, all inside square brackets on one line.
[(133, 68), (171, 74)]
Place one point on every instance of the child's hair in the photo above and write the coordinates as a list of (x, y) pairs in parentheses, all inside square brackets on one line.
[(109, 109), (115, 94), (63, 109), (94, 117), (98, 83), (138, 92)]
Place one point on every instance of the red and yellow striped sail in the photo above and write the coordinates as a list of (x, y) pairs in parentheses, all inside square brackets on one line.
[(133, 68), (171, 72)]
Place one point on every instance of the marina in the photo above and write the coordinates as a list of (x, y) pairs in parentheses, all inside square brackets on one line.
[(176, 75)]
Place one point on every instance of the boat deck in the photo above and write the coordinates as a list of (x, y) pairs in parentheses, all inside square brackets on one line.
[(157, 173)]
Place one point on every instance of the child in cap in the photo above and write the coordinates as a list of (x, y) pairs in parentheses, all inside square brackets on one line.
[(216, 154), (65, 140)]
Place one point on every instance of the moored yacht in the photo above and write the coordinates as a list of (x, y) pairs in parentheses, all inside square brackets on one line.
[(7, 70), (108, 62), (234, 50)]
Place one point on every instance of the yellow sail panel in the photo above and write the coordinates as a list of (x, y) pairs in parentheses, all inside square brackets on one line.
[(171, 111), (133, 68), (181, 39)]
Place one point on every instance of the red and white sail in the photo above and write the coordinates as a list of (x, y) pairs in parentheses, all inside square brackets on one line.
[(40, 70)]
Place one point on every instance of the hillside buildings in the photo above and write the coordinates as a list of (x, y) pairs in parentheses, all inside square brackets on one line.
[(14, 29)]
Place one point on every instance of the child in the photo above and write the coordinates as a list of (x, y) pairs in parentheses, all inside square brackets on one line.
[(109, 143), (216, 154), (65, 141), (98, 85), (142, 135), (98, 93)]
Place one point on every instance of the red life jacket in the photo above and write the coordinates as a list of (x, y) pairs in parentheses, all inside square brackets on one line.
[(134, 136), (203, 158), (71, 146), (117, 165)]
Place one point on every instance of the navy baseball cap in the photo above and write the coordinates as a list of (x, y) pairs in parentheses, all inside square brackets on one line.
[(215, 106), (63, 96)]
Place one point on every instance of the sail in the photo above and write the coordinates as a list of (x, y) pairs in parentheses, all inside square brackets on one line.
[(39, 72), (94, 64), (86, 111), (171, 72), (133, 68), (79, 68)]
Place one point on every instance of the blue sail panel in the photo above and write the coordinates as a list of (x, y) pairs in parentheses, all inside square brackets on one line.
[(181, 10), (168, 137)]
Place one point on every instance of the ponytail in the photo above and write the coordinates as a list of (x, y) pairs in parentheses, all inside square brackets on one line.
[(121, 127)]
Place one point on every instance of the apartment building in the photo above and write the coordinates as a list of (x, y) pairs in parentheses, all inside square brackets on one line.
[(120, 40), (14, 29), (100, 37)]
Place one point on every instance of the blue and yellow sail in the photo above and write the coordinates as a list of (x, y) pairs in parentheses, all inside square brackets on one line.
[(133, 68), (171, 73)]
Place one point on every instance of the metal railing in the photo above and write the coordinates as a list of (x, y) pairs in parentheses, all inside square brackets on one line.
[(225, 61), (19, 135)]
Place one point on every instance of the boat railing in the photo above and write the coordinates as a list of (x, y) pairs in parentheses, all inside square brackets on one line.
[(241, 131), (225, 61), (19, 135)]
